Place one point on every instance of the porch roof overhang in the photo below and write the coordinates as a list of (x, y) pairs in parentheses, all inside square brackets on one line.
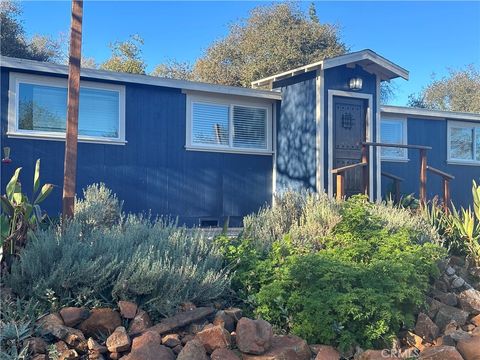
[(85, 73), (369, 60)]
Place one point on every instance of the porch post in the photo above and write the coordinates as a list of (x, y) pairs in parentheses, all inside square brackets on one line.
[(423, 176), (365, 169)]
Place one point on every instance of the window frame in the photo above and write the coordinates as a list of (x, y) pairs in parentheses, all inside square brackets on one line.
[(465, 125), (15, 79), (403, 121), (231, 103)]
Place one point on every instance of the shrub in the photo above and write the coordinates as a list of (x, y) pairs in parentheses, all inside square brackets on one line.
[(360, 287), (98, 208), (154, 263), (459, 228), (17, 324)]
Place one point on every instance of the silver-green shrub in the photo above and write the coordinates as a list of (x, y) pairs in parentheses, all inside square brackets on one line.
[(98, 208), (396, 217), (155, 263), (306, 216)]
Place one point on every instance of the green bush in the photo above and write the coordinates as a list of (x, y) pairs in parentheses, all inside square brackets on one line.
[(360, 287), (154, 263)]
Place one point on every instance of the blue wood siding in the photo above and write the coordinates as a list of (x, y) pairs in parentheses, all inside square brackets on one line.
[(153, 171), (431, 133), (296, 133), (338, 78)]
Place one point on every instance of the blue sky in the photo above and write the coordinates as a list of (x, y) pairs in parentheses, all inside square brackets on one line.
[(423, 37)]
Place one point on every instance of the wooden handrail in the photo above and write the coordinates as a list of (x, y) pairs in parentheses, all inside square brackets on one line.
[(446, 178), (396, 183), (391, 176), (401, 146), (348, 167), (440, 173)]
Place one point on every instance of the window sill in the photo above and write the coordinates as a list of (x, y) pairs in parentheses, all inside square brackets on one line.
[(231, 151), (395, 160), (460, 162), (62, 138)]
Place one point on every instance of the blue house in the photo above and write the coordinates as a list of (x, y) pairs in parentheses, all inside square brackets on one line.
[(205, 153)]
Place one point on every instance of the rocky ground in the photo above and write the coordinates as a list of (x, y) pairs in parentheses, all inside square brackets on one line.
[(450, 329)]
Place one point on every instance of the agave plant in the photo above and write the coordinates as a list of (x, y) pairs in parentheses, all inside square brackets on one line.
[(19, 215)]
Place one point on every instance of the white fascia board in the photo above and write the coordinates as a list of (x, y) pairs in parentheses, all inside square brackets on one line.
[(300, 70), (442, 115), (370, 56), (43, 67)]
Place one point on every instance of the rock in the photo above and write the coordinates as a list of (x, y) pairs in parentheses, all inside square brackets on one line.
[(325, 352), (253, 336), (457, 282), (414, 340), (39, 357), (75, 338), (36, 345), (215, 337), (48, 322), (171, 340), (469, 348), (147, 347), (119, 340), (94, 346), (181, 319), (128, 309), (60, 346), (475, 320), (101, 321), (72, 316), (470, 301), (176, 350), (459, 334), (224, 354), (426, 328), (235, 313), (114, 356), (448, 313), (222, 319), (376, 355), (447, 298), (288, 347), (193, 350), (450, 271), (197, 326), (433, 307), (69, 354), (140, 323), (95, 355), (187, 338), (442, 352)]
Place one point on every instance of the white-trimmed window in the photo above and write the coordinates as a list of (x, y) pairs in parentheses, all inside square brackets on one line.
[(463, 142), (218, 124), (394, 131), (38, 109)]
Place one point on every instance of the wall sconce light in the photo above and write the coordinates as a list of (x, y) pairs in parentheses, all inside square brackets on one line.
[(6, 152), (356, 83)]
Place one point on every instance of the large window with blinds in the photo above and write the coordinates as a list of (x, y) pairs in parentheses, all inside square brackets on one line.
[(39, 109), (228, 126), (393, 131)]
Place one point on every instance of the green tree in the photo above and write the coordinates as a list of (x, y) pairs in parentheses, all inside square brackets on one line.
[(14, 42), (174, 69), (126, 56), (272, 39), (458, 91)]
